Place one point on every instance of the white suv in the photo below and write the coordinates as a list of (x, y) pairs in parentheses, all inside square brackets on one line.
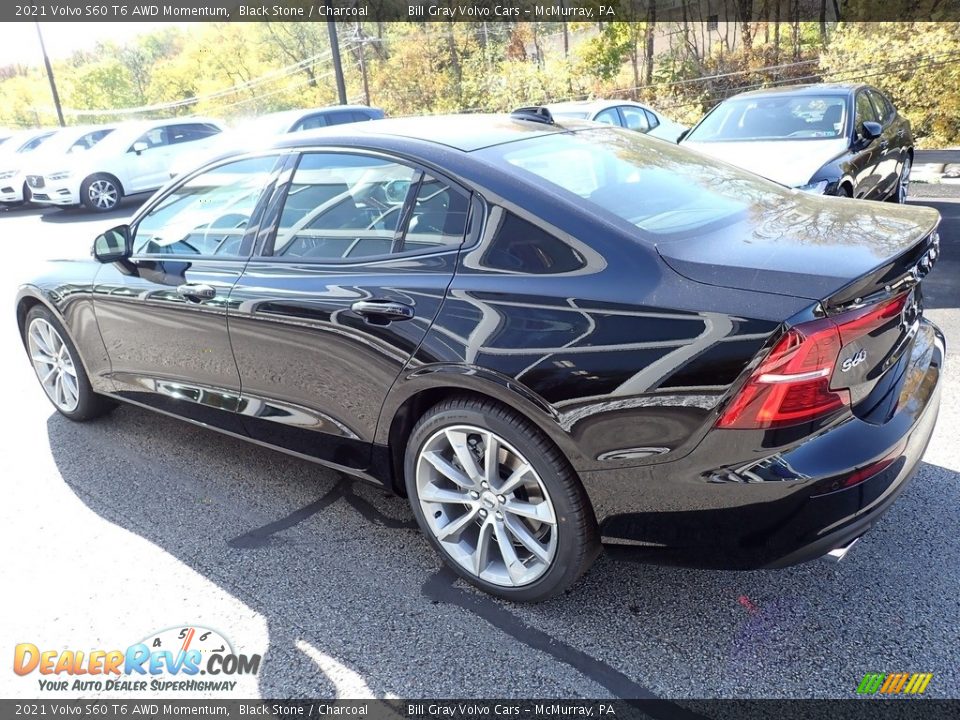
[(13, 155), (135, 158)]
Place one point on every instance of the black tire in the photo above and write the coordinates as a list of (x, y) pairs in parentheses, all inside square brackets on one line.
[(577, 536), (27, 195), (101, 193), (90, 405), (844, 191)]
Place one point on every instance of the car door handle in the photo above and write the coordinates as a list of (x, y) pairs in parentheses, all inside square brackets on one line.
[(382, 309), (196, 291)]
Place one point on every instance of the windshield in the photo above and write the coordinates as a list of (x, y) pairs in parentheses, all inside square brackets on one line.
[(774, 117), (659, 187)]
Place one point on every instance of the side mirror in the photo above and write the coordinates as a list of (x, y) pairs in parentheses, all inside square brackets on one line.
[(139, 147), (871, 130), (682, 135), (113, 246)]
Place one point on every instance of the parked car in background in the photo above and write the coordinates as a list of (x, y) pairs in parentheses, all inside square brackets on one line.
[(14, 152), (134, 158), (829, 139), (264, 129), (622, 113), (546, 335)]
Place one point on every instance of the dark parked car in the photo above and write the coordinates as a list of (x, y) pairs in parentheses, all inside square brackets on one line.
[(546, 336), (828, 139)]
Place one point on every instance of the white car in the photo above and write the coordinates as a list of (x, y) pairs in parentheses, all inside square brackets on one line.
[(262, 130), (623, 113), (134, 158), (13, 154)]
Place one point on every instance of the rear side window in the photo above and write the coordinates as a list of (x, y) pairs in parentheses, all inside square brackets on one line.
[(634, 118), (520, 246), (341, 206), (652, 119)]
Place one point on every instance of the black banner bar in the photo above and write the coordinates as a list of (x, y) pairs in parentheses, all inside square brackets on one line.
[(854, 709), (681, 11)]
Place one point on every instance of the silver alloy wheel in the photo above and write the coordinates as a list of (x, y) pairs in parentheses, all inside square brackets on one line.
[(904, 183), (103, 194), (53, 364), (486, 505)]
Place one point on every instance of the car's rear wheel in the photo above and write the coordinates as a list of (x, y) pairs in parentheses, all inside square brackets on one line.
[(100, 193), (498, 501), (58, 368)]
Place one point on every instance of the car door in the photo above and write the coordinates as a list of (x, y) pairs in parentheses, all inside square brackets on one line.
[(146, 161), (328, 312), (163, 314), (867, 154)]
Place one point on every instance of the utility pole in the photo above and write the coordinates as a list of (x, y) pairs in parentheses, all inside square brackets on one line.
[(363, 64), (53, 84), (335, 54)]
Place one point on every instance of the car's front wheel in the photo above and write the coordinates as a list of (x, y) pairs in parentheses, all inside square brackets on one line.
[(58, 368), (100, 193), (498, 501)]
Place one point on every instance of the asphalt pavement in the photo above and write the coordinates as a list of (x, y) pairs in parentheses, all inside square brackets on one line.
[(116, 529)]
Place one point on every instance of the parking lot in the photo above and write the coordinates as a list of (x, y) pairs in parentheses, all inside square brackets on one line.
[(122, 527)]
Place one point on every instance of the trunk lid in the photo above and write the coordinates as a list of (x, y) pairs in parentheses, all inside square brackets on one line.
[(861, 264)]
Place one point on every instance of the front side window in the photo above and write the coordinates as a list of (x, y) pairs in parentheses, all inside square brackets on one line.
[(152, 138), (341, 206), (634, 118), (88, 140), (189, 132), (865, 111), (608, 116), (773, 117), (310, 123), (208, 214)]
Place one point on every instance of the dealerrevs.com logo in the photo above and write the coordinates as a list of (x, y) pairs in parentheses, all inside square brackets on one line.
[(170, 660)]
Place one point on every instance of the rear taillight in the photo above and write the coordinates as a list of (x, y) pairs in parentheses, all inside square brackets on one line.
[(792, 384)]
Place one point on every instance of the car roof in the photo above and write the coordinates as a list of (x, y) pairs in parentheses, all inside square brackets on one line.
[(594, 105), (808, 89), (466, 132)]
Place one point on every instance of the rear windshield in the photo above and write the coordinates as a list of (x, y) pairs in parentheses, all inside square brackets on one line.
[(774, 117), (659, 187)]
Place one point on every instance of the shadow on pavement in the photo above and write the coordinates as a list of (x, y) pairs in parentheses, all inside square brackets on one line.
[(940, 287), (59, 215), (339, 572)]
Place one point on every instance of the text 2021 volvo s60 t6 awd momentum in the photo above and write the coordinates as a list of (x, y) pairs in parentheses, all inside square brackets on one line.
[(546, 335)]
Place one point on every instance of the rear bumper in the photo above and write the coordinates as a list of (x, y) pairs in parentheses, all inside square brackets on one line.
[(780, 506)]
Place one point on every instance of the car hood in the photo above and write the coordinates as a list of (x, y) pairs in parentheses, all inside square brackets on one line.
[(789, 162), (804, 245)]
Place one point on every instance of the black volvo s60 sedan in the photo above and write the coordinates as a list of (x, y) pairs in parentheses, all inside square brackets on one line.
[(547, 336)]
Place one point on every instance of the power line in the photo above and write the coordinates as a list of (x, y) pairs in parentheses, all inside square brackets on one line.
[(272, 76)]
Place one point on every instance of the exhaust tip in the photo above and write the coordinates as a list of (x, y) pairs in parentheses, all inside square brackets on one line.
[(839, 553)]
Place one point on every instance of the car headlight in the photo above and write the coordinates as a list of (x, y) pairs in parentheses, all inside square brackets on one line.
[(7, 174), (63, 175), (817, 188)]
